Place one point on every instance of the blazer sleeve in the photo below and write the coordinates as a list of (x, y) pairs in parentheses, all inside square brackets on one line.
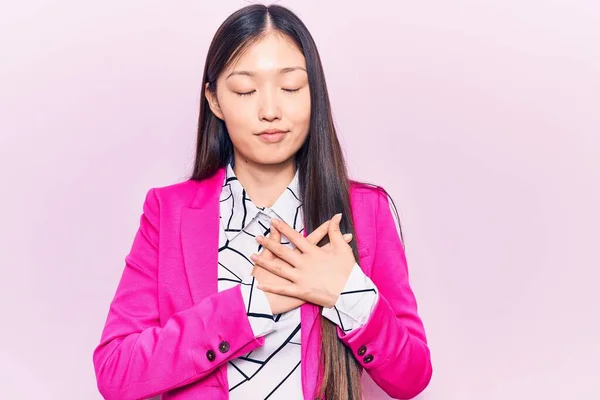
[(391, 345), (139, 358)]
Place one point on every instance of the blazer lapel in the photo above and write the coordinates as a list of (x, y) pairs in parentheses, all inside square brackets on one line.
[(200, 237)]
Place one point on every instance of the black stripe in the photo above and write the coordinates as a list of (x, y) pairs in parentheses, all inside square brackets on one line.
[(281, 383), (257, 315), (359, 291)]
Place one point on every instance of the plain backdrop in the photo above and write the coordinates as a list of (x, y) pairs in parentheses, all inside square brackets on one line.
[(480, 117)]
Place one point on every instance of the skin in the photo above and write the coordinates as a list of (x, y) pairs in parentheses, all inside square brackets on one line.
[(314, 274), (271, 280), (267, 88), (265, 169)]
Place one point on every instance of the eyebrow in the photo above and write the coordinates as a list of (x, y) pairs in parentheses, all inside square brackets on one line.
[(251, 73)]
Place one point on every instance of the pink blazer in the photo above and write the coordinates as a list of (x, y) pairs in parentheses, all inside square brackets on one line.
[(167, 312)]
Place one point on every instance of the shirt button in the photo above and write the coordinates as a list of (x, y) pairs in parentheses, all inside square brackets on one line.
[(210, 355), (368, 359), (224, 347), (362, 350)]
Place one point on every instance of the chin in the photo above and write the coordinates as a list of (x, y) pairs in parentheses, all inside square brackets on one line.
[(273, 158)]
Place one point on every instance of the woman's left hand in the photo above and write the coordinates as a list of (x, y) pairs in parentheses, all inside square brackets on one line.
[(317, 275)]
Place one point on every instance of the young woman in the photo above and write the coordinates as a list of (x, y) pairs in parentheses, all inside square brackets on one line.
[(239, 283)]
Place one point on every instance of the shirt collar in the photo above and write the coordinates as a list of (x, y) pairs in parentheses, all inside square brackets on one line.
[(238, 210)]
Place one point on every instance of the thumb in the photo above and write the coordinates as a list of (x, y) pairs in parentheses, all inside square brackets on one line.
[(335, 235)]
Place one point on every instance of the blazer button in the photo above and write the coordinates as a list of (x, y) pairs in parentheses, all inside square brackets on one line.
[(368, 358), (210, 355), (224, 347), (362, 350)]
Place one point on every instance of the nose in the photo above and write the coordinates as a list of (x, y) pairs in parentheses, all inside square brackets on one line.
[(269, 109)]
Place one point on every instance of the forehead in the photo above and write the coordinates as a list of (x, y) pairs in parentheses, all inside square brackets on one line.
[(269, 54)]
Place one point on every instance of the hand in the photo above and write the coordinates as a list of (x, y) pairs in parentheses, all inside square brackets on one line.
[(282, 303), (314, 274)]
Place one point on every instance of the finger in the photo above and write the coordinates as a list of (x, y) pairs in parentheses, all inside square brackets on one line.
[(315, 236), (287, 289), (277, 266), (279, 250), (294, 236), (347, 238), (266, 252), (259, 272), (335, 235), (276, 236)]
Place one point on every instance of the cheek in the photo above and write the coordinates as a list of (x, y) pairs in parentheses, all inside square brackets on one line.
[(299, 111), (238, 120)]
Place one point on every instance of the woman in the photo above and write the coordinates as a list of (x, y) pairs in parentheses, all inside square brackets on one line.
[(239, 283)]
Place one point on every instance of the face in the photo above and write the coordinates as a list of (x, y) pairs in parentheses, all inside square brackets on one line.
[(267, 88)]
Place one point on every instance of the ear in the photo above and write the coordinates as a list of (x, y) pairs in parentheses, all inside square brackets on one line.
[(213, 102)]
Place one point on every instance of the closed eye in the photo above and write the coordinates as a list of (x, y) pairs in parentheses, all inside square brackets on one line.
[(251, 92)]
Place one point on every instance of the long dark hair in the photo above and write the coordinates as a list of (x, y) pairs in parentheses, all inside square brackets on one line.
[(323, 178)]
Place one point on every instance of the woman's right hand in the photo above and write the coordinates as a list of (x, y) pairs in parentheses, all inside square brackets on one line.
[(280, 303)]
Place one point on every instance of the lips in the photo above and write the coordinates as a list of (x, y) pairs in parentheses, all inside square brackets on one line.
[(272, 135), (271, 131)]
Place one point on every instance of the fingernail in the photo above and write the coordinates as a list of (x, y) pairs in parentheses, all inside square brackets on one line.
[(339, 217), (253, 257), (275, 221), (259, 239)]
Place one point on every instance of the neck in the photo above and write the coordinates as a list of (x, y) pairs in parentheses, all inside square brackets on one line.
[(264, 183)]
